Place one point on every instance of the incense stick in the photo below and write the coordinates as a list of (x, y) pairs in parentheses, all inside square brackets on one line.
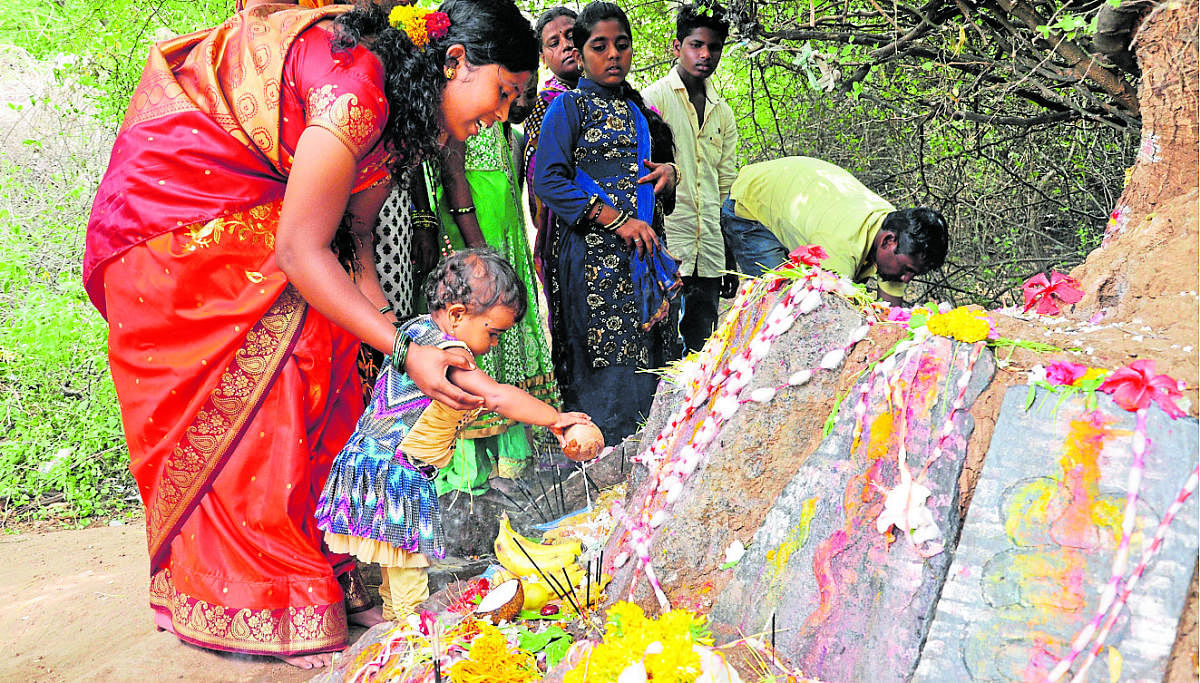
[(772, 638), (567, 578), (549, 578), (545, 496), (587, 595), (532, 504), (562, 502), (515, 504)]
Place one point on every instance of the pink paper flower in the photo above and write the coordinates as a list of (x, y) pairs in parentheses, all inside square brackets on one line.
[(1064, 373), (899, 314), (1048, 295), (808, 254), (1135, 386)]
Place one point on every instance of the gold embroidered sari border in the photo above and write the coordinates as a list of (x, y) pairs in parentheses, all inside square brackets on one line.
[(221, 421), (285, 631)]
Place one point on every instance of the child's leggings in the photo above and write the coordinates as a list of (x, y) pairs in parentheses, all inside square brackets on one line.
[(403, 588)]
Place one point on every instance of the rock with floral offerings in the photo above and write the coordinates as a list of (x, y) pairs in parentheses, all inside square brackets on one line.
[(847, 566)]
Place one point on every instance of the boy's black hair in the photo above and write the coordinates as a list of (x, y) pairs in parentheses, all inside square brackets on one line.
[(710, 15), (922, 233), (478, 279)]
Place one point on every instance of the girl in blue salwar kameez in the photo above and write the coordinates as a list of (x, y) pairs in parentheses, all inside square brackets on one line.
[(604, 170)]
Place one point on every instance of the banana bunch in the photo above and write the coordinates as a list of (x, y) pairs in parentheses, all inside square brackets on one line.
[(548, 558)]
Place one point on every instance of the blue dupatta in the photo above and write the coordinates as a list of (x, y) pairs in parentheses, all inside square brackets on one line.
[(655, 272)]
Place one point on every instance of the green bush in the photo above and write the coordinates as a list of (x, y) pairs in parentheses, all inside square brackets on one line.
[(62, 453)]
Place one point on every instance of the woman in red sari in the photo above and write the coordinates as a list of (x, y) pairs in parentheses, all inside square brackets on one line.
[(248, 150)]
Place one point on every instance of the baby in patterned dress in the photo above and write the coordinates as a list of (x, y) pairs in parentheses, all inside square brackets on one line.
[(379, 503)]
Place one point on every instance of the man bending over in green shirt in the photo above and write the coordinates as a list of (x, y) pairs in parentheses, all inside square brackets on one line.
[(776, 206)]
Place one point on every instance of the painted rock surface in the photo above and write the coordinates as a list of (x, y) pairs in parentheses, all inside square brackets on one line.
[(745, 467), (1039, 540), (851, 603)]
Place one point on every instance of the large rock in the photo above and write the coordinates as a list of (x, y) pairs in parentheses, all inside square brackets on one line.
[(1038, 544), (746, 466), (846, 601)]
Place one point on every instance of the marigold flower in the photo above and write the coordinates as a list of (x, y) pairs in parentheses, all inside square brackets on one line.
[(411, 20), (964, 324)]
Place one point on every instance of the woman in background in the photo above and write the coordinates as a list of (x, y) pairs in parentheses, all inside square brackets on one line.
[(554, 30)]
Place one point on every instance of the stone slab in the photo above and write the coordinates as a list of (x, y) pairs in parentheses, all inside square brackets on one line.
[(1038, 543), (848, 602)]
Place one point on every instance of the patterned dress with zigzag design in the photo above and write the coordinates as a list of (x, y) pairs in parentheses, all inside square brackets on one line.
[(379, 503)]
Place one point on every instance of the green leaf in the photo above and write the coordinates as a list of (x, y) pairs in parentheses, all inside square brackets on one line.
[(557, 649), (533, 615), (536, 642)]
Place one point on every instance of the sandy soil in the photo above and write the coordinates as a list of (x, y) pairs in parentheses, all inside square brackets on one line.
[(73, 607)]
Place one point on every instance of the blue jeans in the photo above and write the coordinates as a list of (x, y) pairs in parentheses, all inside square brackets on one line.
[(754, 246)]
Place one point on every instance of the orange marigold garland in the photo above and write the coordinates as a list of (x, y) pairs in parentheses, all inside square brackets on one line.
[(420, 24)]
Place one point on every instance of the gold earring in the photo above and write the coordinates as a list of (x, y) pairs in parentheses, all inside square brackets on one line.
[(451, 72)]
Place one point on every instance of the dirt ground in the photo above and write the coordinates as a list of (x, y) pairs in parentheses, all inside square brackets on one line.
[(73, 607)]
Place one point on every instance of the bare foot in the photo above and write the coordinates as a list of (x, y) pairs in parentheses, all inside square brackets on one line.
[(163, 622), (314, 661), (368, 618)]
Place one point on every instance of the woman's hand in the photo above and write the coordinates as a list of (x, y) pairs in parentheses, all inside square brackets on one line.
[(638, 235), (566, 420), (425, 254), (427, 366), (664, 176)]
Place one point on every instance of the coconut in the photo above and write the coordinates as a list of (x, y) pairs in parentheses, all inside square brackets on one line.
[(582, 442), (502, 603)]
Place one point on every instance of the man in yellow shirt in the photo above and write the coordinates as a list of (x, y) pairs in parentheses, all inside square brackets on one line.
[(776, 206), (706, 141)]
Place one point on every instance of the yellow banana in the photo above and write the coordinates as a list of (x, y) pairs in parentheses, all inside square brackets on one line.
[(547, 558)]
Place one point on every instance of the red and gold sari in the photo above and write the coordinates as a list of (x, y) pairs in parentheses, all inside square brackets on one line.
[(235, 394)]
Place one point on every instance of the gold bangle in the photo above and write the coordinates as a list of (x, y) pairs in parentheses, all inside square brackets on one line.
[(461, 211), (621, 219)]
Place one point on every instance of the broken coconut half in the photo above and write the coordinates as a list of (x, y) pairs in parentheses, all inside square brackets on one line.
[(502, 603), (582, 442)]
